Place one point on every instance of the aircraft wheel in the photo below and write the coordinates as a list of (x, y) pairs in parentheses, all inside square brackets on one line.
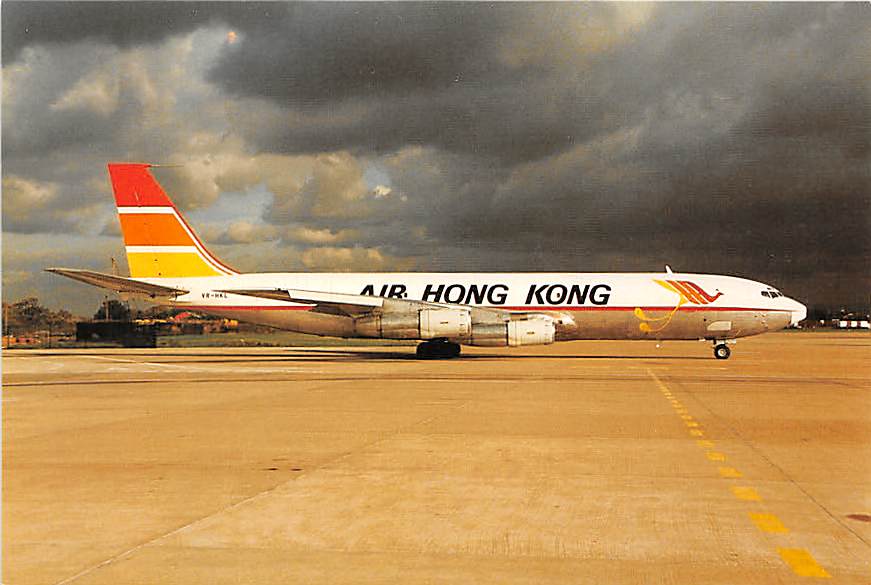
[(438, 350), (722, 351)]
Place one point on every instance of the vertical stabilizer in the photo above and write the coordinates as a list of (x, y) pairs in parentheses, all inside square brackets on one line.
[(159, 242)]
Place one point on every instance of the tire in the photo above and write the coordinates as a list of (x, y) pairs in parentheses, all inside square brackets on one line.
[(722, 351), (425, 351), (429, 350)]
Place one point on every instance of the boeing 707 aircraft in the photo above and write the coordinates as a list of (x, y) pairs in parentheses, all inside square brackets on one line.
[(169, 265)]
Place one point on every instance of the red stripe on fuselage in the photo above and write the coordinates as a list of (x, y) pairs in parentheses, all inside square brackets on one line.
[(584, 308), (527, 309), (243, 308)]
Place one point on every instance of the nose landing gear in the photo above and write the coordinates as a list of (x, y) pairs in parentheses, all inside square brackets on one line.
[(438, 349), (722, 351)]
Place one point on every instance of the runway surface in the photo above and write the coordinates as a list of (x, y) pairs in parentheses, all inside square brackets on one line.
[(587, 462)]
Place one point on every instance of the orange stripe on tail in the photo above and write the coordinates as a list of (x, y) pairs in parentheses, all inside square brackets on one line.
[(153, 229)]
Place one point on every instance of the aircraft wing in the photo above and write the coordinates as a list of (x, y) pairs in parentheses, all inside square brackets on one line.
[(331, 303), (352, 305), (118, 283)]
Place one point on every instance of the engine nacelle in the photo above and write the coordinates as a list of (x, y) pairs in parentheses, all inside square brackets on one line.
[(423, 324), (450, 323), (531, 332), (514, 333)]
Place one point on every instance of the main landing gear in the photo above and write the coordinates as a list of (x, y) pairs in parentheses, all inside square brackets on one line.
[(722, 351), (438, 349)]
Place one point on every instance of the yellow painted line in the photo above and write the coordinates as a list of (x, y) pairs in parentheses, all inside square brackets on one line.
[(768, 522), (679, 408), (746, 493), (802, 563), (800, 560), (730, 472), (705, 443), (656, 379)]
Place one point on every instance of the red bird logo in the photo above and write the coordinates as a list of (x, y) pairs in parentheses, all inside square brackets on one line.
[(690, 292)]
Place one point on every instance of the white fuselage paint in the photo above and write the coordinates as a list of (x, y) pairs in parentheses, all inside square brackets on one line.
[(583, 305)]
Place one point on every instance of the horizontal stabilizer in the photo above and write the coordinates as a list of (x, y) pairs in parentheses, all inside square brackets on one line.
[(118, 283), (275, 294)]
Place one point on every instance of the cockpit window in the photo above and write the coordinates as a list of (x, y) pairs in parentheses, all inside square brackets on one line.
[(772, 294), (765, 293)]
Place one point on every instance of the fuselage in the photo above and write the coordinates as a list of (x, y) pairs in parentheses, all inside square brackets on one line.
[(582, 305)]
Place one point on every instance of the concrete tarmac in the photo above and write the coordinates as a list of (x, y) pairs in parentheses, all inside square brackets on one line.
[(584, 462)]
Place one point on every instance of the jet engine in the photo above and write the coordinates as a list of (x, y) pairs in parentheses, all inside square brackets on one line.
[(536, 331), (423, 324)]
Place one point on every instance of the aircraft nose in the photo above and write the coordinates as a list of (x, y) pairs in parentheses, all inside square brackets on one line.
[(797, 311)]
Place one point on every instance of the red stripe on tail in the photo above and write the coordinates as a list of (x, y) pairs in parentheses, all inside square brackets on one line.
[(135, 187)]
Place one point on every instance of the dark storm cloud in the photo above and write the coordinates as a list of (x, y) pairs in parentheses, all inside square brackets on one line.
[(472, 78), (122, 24), (339, 51), (745, 150)]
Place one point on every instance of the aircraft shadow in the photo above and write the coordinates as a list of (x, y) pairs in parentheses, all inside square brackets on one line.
[(395, 355), (349, 354)]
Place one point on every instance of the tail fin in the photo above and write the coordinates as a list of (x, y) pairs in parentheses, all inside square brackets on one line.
[(159, 242)]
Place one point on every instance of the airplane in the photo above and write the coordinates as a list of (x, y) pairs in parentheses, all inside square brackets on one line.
[(171, 266)]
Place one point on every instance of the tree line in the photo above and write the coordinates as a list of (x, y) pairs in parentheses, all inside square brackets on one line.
[(28, 316)]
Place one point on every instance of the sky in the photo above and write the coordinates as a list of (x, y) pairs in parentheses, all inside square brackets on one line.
[(714, 137)]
